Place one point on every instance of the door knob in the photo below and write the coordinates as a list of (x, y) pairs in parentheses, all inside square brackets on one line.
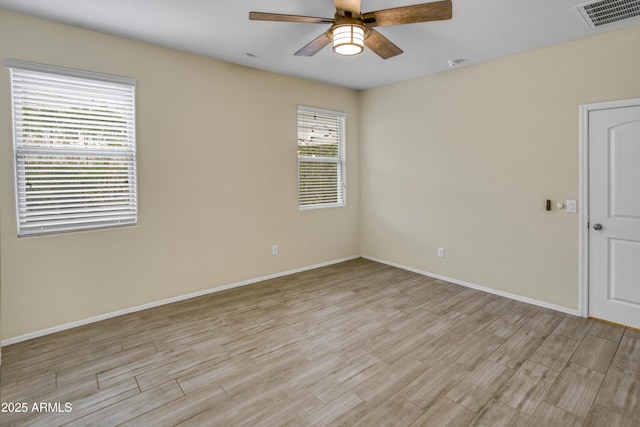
[(597, 227)]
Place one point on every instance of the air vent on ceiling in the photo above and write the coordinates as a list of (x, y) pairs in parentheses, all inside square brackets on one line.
[(602, 12)]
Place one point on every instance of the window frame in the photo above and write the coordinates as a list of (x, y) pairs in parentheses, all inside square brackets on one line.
[(85, 159), (339, 159)]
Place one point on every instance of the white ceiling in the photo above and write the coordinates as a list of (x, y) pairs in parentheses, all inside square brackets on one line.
[(480, 30)]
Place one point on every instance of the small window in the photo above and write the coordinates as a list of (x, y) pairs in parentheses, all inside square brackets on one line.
[(75, 149), (321, 163)]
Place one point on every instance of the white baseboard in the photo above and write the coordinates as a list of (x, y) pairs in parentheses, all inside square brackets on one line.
[(94, 319), (477, 287)]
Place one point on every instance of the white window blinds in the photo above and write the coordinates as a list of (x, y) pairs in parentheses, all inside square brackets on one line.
[(321, 165), (75, 149)]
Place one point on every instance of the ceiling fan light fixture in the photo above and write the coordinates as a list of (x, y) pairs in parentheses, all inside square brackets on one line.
[(348, 39)]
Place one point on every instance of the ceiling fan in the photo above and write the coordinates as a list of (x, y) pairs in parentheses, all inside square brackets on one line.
[(351, 30)]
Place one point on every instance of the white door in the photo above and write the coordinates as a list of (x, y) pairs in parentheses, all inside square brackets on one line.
[(614, 214)]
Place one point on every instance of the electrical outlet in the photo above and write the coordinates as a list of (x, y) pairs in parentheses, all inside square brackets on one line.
[(441, 252), (274, 250)]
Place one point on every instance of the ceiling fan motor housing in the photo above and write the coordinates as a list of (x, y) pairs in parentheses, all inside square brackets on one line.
[(341, 21)]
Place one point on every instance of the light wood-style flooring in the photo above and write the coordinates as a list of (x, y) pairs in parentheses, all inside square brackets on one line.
[(353, 344)]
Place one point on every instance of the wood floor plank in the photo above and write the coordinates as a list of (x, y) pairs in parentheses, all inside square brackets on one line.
[(555, 351), (595, 353), (139, 366), (496, 414), (506, 324), (30, 388), (336, 409), (550, 415), (601, 416), (475, 323), (83, 402), (180, 409), (628, 353), (345, 377), (575, 389), (102, 363), (393, 412), (525, 390), (541, 324), (429, 387), (479, 386), (132, 407), (477, 348), (284, 412), (202, 375), (574, 327), (444, 323), (445, 412), (176, 369), (251, 377), (620, 392), (516, 350), (631, 332), (389, 381), (55, 356), (501, 306), (606, 330)]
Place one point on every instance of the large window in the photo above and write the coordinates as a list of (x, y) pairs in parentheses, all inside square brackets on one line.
[(75, 149), (321, 163)]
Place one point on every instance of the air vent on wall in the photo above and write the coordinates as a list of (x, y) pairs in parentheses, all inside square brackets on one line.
[(602, 12)]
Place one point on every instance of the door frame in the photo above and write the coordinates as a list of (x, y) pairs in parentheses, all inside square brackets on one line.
[(583, 217)]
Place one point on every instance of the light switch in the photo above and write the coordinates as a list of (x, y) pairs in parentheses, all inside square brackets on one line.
[(571, 206)]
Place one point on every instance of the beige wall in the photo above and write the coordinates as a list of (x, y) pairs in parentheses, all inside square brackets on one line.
[(466, 160), (217, 183)]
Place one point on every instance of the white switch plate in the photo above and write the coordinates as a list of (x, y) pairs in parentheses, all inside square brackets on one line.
[(571, 206)]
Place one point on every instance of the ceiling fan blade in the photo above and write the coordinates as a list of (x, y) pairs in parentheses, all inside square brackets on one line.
[(315, 46), (262, 16), (351, 6), (436, 11), (381, 45)]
